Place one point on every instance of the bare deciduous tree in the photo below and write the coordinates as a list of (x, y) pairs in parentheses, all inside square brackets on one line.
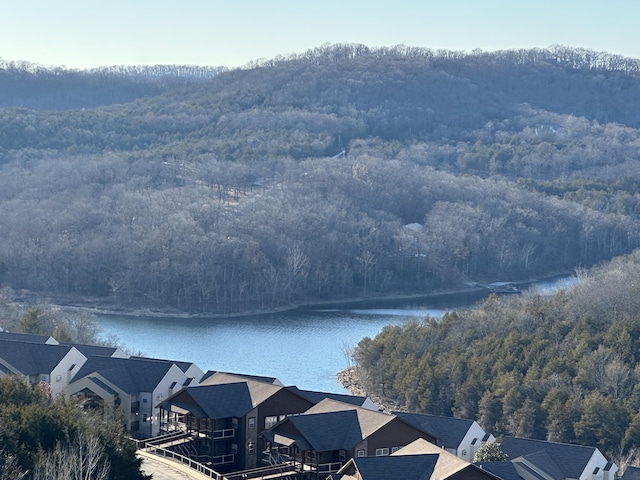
[(82, 460)]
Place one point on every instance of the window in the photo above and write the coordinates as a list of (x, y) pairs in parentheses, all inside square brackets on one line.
[(270, 421), (145, 399), (343, 456), (145, 417), (381, 452), (394, 449), (252, 422), (360, 453), (234, 448)]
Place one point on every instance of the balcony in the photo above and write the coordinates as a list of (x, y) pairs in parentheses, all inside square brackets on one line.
[(222, 459), (224, 433)]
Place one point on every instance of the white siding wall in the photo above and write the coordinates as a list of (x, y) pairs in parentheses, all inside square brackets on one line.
[(161, 392), (468, 447), (598, 461), (60, 376)]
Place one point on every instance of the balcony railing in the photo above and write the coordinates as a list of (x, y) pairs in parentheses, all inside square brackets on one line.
[(185, 460), (224, 433), (329, 467), (222, 459)]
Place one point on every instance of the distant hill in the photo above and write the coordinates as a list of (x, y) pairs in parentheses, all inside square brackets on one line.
[(343, 171), (24, 84)]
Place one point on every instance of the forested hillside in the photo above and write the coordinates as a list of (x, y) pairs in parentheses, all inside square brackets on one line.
[(341, 172), (563, 367), (31, 85)]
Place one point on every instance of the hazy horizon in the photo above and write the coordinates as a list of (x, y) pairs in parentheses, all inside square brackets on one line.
[(87, 34)]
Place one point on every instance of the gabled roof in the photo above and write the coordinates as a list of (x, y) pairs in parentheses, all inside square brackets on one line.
[(130, 374), (331, 425), (221, 401), (90, 350), (317, 397), (541, 460), (411, 467), (212, 377), (563, 459), (184, 366), (451, 431), (448, 464), (27, 337), (97, 381), (33, 358), (324, 432), (505, 469), (369, 420)]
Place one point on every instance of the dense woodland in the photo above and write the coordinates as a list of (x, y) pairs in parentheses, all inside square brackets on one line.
[(562, 367), (341, 172)]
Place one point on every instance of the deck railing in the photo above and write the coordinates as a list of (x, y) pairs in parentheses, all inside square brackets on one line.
[(163, 452)]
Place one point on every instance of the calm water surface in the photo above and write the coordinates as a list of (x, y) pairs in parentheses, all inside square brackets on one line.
[(305, 348)]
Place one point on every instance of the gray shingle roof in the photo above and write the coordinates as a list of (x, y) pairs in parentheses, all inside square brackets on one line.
[(213, 401), (370, 420), (26, 337), (631, 473), (329, 431), (212, 377), (102, 385), (184, 366), (130, 374), (409, 467), (505, 469), (317, 397), (89, 350), (32, 358), (570, 459), (449, 430)]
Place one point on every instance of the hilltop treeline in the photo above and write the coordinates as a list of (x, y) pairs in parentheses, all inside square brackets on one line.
[(563, 367), (345, 171), (25, 84)]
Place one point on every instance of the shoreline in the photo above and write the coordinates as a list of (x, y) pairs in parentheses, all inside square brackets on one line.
[(153, 313), (94, 306), (350, 380)]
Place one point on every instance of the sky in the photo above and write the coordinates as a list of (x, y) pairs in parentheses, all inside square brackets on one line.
[(232, 33)]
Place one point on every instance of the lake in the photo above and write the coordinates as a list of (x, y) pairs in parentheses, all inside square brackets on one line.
[(304, 347)]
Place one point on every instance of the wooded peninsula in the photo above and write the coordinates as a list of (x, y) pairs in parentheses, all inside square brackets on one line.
[(343, 172), (562, 367)]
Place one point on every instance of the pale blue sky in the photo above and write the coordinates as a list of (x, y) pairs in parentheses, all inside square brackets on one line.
[(89, 33)]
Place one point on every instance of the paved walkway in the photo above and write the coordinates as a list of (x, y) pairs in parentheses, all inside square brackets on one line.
[(167, 469)]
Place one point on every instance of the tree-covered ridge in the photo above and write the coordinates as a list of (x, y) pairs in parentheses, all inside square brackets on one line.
[(29, 85), (345, 171), (563, 367)]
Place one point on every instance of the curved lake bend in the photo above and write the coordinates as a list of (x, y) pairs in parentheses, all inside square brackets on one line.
[(304, 347)]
